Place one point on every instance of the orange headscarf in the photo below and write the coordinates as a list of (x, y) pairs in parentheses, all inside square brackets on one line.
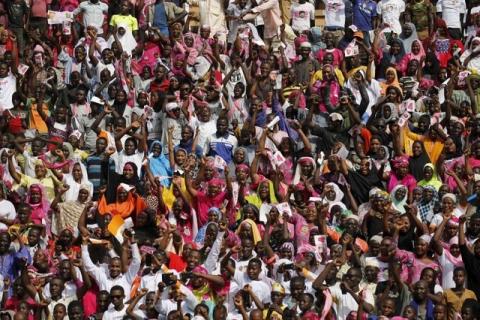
[(124, 209)]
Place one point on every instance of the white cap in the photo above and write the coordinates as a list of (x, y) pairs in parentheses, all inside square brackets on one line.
[(336, 116), (171, 106)]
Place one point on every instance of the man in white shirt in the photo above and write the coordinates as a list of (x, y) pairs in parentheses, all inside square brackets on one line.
[(115, 277), (93, 13), (335, 17), (303, 15), (452, 11), (390, 12), (346, 295), (8, 85), (117, 309)]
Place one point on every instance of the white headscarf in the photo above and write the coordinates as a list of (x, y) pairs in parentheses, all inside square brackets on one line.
[(127, 40), (75, 187), (298, 168)]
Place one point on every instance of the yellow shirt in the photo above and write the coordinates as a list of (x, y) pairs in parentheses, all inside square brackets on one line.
[(48, 183), (455, 301), (319, 76), (432, 148), (130, 21)]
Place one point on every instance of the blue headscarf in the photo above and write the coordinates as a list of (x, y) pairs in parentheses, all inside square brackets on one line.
[(200, 238), (160, 166)]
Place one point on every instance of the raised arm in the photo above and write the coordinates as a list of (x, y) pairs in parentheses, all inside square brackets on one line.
[(436, 240), (11, 167)]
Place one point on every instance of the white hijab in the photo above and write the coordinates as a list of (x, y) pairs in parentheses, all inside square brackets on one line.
[(127, 40)]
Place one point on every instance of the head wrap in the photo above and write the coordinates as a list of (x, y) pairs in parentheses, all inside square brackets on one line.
[(400, 162)]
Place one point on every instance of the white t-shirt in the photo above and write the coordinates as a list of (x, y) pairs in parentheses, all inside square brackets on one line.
[(8, 86), (334, 13), (123, 158), (7, 211), (451, 10), (260, 288), (112, 314), (390, 10), (302, 14), (344, 303)]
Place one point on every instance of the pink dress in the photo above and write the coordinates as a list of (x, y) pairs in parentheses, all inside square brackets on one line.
[(412, 267)]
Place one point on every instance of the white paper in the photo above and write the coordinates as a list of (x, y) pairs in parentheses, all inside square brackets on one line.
[(263, 212), (273, 122), (284, 207), (22, 68), (219, 163), (320, 242), (59, 17), (351, 50)]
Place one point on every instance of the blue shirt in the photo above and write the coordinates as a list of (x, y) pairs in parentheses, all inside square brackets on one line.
[(160, 18), (363, 13), (222, 146)]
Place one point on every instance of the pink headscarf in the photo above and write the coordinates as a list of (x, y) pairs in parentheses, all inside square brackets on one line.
[(420, 54), (39, 210), (400, 161)]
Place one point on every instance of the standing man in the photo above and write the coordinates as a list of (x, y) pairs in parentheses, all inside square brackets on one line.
[(271, 15), (335, 16), (390, 12), (453, 12), (163, 13), (303, 16), (222, 143), (421, 13), (364, 15), (18, 13), (93, 12)]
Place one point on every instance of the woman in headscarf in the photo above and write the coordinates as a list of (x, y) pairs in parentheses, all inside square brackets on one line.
[(449, 209), (37, 199), (408, 36), (387, 58), (265, 194), (417, 260), (447, 253), (417, 52), (305, 169), (74, 179), (430, 177), (399, 197), (372, 87), (126, 202), (401, 175), (67, 214), (123, 37), (427, 204), (470, 58), (333, 193), (43, 177), (391, 79), (129, 177), (214, 217), (418, 160), (159, 165), (248, 230)]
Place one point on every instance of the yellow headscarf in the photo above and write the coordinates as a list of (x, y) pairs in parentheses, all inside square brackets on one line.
[(256, 234)]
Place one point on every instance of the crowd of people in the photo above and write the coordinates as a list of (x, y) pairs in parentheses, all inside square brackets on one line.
[(239, 159)]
